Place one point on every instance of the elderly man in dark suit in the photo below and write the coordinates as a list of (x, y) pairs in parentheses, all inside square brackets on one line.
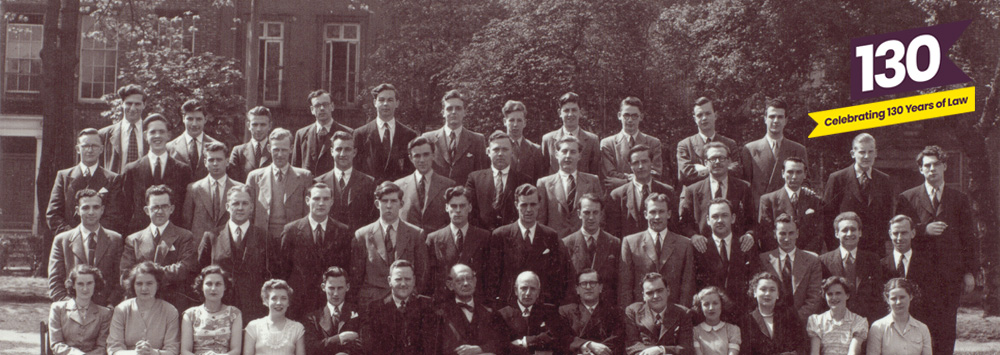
[(189, 147), (691, 164), (724, 264), (696, 198), (657, 250), (860, 268), (123, 140), (279, 188), (381, 142), (804, 205), (761, 159), (89, 244), (401, 322), (61, 212), (529, 325), (335, 327), (254, 154), (625, 214), (423, 191), (559, 193), (466, 322), (493, 188), (862, 189), (593, 248), (656, 323), (458, 150), (312, 142), (616, 157), (944, 228), (352, 189), (205, 205), (570, 112), (596, 322), (527, 155), (459, 242), (800, 271)]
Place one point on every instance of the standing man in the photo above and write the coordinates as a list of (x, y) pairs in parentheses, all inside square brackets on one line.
[(527, 155), (312, 142), (944, 228), (459, 242), (423, 205), (458, 151), (761, 159), (616, 161), (570, 113), (123, 139), (402, 322), (593, 248), (492, 189), (725, 265), (691, 164), (352, 189), (61, 213), (696, 198), (657, 250), (467, 324), (802, 204), (597, 326), (800, 272), (860, 267), (205, 205), (912, 265), (189, 147), (862, 189), (530, 325), (89, 244), (335, 327), (382, 142), (559, 193), (655, 325), (254, 154), (625, 215), (280, 188)]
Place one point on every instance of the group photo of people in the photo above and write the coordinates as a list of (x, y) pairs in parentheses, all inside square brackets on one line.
[(381, 239)]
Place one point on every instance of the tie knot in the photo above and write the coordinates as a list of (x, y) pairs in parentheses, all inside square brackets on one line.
[(465, 306), (526, 312), (659, 320)]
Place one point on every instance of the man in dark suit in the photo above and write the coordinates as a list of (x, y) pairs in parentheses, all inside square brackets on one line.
[(279, 188), (382, 142), (945, 229), (90, 244), (656, 323), (423, 191), (625, 215), (402, 322), (492, 189), (725, 265), (310, 245), (312, 142), (334, 328), (171, 247), (458, 150), (657, 250), (559, 193), (589, 148), (910, 264), (616, 157), (530, 325), (800, 271), (593, 248), (527, 245), (61, 212), (862, 189), (254, 154), (459, 242), (804, 205), (205, 205), (596, 322), (244, 251), (122, 140), (527, 155), (189, 147), (352, 189), (155, 168), (761, 159), (466, 323), (696, 198), (691, 164), (860, 268)]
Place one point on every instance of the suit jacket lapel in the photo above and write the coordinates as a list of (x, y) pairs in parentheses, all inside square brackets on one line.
[(166, 243), (464, 141), (648, 319), (759, 319), (74, 313), (78, 248), (669, 320), (925, 200), (311, 138), (435, 188), (203, 188), (579, 251), (649, 247), (223, 246), (603, 246), (798, 269), (442, 146), (667, 250), (853, 186), (633, 203), (557, 186), (103, 244)]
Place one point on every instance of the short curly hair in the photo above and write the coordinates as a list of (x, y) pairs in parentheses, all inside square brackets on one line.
[(84, 269), (705, 292), (208, 270), (145, 267), (274, 284), (837, 280), (761, 276)]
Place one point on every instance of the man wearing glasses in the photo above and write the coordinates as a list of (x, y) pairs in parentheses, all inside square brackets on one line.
[(696, 198), (61, 213), (597, 326), (312, 142)]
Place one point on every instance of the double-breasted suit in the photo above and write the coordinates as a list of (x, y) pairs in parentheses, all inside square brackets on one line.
[(322, 330), (111, 136), (873, 203), (249, 263), (430, 216), (69, 250), (615, 158), (543, 329), (386, 329), (304, 259), (443, 253), (375, 160), (61, 211), (605, 259), (626, 212), (697, 198), (807, 212), (244, 159), (456, 330), (675, 261), (312, 151), (176, 252), (690, 151), (866, 296), (763, 169), (354, 204), (137, 177), (544, 254), (200, 213), (487, 211), (604, 325), (470, 154), (296, 185), (370, 261), (675, 333), (590, 151), (555, 210), (807, 280), (731, 276), (178, 149)]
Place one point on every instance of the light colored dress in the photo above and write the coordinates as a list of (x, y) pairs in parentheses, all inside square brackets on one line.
[(717, 340), (159, 325), (835, 336), (269, 341), (885, 339), (212, 331)]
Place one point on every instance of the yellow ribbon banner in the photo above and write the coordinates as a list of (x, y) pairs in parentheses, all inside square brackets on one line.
[(896, 111)]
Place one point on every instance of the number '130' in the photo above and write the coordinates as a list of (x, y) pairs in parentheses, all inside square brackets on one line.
[(895, 64)]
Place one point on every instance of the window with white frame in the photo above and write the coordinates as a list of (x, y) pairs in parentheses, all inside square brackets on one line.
[(341, 58), (271, 61), (98, 63), (22, 63)]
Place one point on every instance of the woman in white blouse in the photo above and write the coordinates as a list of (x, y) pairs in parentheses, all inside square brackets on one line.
[(837, 331), (899, 333), (275, 334)]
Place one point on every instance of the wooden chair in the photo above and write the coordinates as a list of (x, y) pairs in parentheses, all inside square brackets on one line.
[(43, 337)]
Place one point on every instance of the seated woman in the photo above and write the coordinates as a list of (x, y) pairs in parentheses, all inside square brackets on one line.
[(837, 331), (275, 334), (770, 329), (713, 336), (144, 324), (898, 333), (77, 325), (212, 328)]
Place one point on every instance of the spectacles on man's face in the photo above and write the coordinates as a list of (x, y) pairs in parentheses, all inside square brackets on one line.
[(90, 146), (160, 208), (589, 284), (717, 159)]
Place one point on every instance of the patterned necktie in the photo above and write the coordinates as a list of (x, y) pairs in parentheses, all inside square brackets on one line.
[(774, 149), (571, 192), (239, 236), (527, 236), (460, 240), (258, 155), (216, 198), (631, 141), (324, 145), (193, 152), (863, 181), (318, 234), (157, 172), (708, 140), (422, 191), (452, 145), (92, 249), (281, 176), (156, 236), (658, 321), (643, 196), (133, 144), (336, 317), (86, 173), (526, 312), (794, 198), (390, 249), (499, 188), (341, 183), (849, 271), (901, 266)]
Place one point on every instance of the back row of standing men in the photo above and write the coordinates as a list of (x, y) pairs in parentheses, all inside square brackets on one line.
[(551, 228)]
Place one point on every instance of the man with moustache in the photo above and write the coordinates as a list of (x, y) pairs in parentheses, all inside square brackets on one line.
[(860, 268), (492, 189), (761, 159), (655, 325), (381, 142), (616, 165), (657, 250), (189, 147), (595, 321), (335, 327), (559, 194), (593, 248), (527, 155), (279, 188), (625, 208), (531, 326), (691, 164), (205, 205), (725, 265), (802, 204), (123, 139), (589, 148), (458, 150), (352, 189), (800, 271), (89, 244), (402, 322), (467, 323), (61, 214), (312, 142), (423, 190), (254, 154), (862, 189), (459, 242)]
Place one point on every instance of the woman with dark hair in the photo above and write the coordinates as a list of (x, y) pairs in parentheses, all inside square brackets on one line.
[(713, 336), (770, 329), (144, 324), (898, 333), (837, 331), (212, 328), (78, 325), (275, 334)]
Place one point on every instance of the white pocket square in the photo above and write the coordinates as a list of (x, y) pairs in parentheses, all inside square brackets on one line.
[(103, 191), (173, 248), (468, 155), (354, 315), (810, 211), (545, 252)]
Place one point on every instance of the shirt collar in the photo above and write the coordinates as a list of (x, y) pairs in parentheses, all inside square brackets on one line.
[(152, 157), (771, 142), (929, 188), (471, 303), (337, 173), (254, 143), (523, 307), (523, 228), (395, 225), (92, 168), (896, 254), (712, 328), (662, 234), (454, 229), (160, 228), (221, 180), (588, 235), (782, 253), (86, 232), (724, 181), (728, 239), (313, 223), (858, 171), (397, 300), (564, 175), (329, 126), (200, 138), (505, 171), (331, 308), (380, 123), (638, 185), (428, 176), (590, 309), (448, 130), (575, 133), (844, 253), (790, 192), (275, 168), (705, 138), (242, 227)]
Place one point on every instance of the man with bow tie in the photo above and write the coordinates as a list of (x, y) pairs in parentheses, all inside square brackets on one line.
[(656, 326), (335, 327), (459, 242), (530, 326), (205, 205), (596, 322), (61, 213), (467, 323), (89, 244)]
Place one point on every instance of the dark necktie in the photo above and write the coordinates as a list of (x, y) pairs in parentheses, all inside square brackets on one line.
[(341, 183), (631, 141), (157, 172), (422, 191), (708, 140), (863, 181), (452, 145), (216, 198), (571, 193), (92, 249), (460, 240), (386, 140), (86, 173), (786, 276), (133, 144), (795, 199), (718, 191), (591, 248), (156, 236), (281, 176), (849, 271), (935, 202), (323, 146), (658, 244), (723, 252), (258, 155), (526, 312), (318, 234), (901, 266), (402, 306), (390, 249), (527, 236), (464, 306), (643, 196), (658, 321), (774, 150), (193, 152), (335, 315)]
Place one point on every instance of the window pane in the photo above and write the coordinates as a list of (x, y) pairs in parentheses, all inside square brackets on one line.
[(333, 31), (274, 30), (98, 63), (21, 57), (350, 32)]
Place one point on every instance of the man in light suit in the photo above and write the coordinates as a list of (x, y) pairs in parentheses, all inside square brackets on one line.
[(625, 215), (527, 155), (279, 188), (492, 189), (378, 245), (458, 151), (61, 212), (352, 189), (696, 198), (862, 189), (155, 168), (800, 271), (596, 322), (122, 140), (529, 325), (593, 248), (589, 148), (334, 328), (691, 164), (616, 162), (761, 159), (171, 247), (89, 244), (423, 191), (802, 204), (312, 142), (860, 267), (467, 323), (189, 147), (381, 142), (656, 323), (559, 193), (459, 242), (205, 205), (402, 322), (724, 264), (254, 154), (657, 250)]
